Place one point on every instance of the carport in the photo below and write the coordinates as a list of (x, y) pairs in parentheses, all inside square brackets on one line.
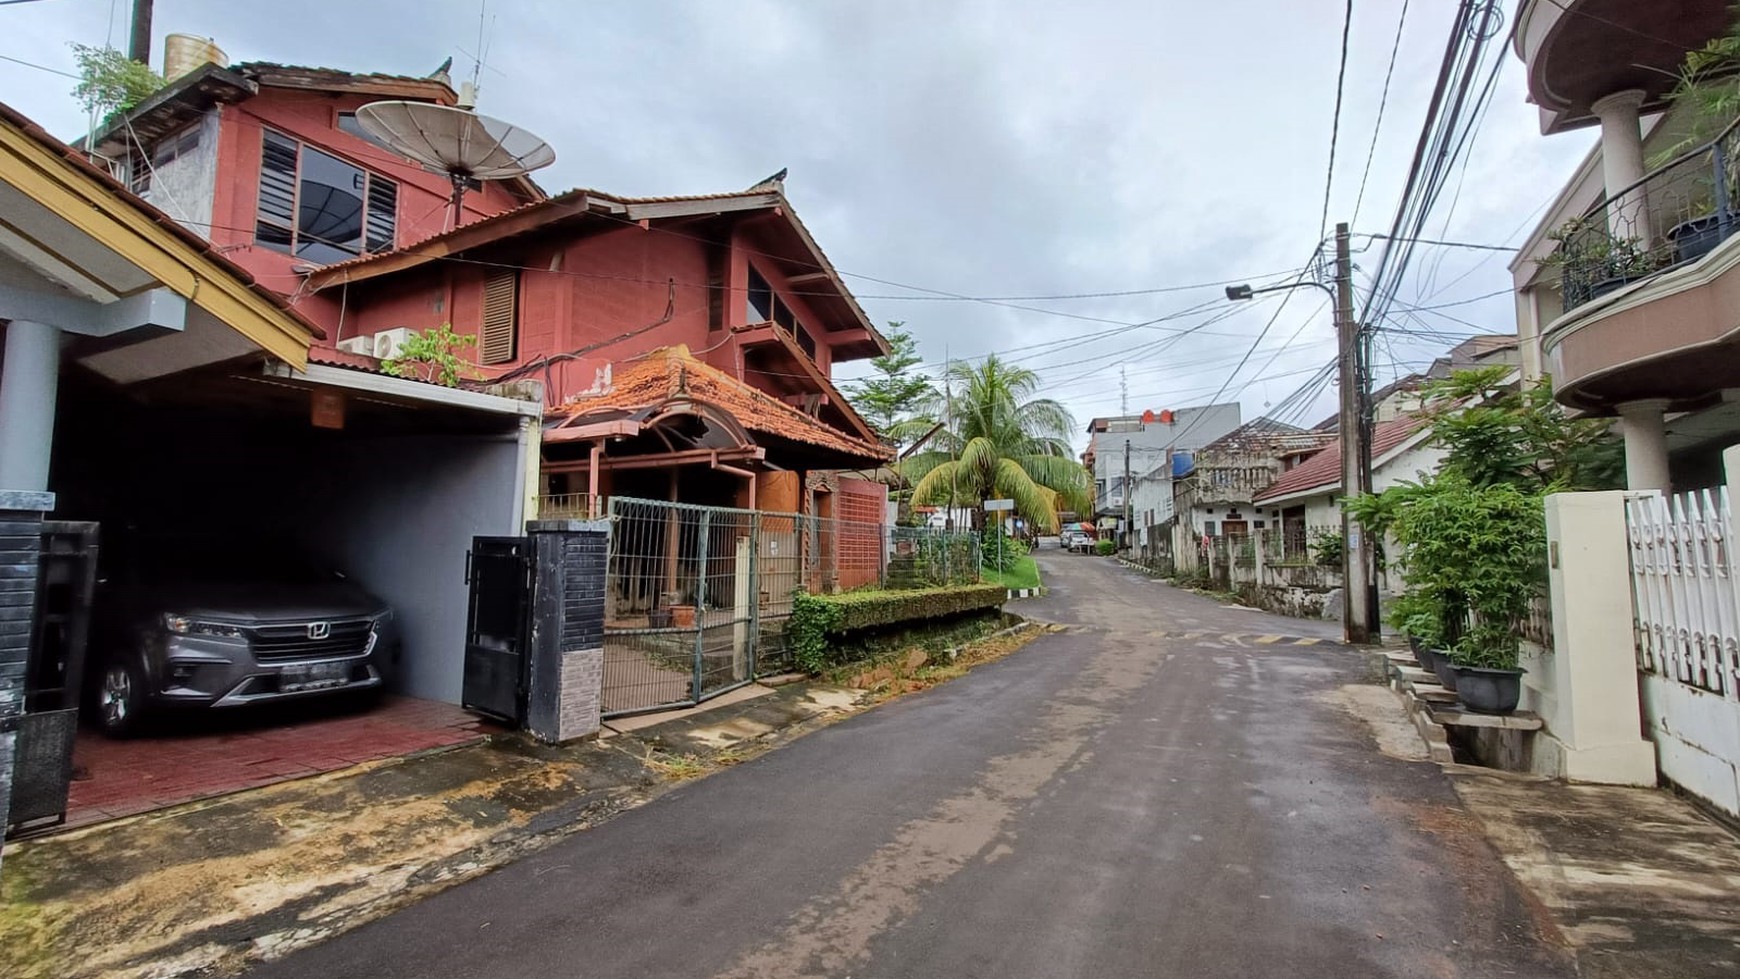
[(148, 384)]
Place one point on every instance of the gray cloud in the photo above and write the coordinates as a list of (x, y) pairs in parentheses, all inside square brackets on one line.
[(996, 147)]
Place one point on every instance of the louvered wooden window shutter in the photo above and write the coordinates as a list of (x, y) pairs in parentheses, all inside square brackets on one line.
[(501, 316)]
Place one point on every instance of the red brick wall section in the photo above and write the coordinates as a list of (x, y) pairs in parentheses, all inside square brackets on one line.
[(860, 507), (313, 118)]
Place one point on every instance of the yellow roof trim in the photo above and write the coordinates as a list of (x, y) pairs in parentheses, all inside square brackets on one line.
[(96, 209)]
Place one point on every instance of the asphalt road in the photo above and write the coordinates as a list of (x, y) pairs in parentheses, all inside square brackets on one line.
[(1115, 799)]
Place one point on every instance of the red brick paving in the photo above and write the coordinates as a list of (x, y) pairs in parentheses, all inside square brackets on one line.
[(129, 777)]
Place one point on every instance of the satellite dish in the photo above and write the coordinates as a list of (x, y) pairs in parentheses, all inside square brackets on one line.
[(455, 141)]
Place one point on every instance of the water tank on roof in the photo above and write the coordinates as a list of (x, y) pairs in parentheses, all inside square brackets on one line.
[(183, 53)]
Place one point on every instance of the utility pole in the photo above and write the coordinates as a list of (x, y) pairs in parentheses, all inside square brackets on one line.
[(1359, 611), (1127, 531), (139, 44)]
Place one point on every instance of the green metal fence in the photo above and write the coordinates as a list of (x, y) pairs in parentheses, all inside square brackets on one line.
[(697, 597)]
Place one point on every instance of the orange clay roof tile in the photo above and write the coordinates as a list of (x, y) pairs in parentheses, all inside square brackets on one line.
[(672, 372)]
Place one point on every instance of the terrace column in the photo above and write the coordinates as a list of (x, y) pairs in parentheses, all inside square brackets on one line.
[(1622, 163), (29, 381), (1646, 458)]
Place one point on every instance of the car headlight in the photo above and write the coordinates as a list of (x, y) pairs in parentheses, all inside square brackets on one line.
[(181, 625)]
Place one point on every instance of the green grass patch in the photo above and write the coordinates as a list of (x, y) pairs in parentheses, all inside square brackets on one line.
[(1022, 573)]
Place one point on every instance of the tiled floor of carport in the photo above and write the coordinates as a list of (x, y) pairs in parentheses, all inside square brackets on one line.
[(211, 756)]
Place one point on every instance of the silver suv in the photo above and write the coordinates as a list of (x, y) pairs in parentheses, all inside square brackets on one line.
[(202, 625)]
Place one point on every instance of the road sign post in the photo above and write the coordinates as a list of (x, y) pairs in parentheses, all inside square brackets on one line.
[(999, 507)]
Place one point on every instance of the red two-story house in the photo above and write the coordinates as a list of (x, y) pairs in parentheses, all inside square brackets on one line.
[(685, 344)]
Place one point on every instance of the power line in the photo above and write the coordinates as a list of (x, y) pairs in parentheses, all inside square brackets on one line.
[(1447, 244), (1335, 120), (32, 64), (1377, 126)]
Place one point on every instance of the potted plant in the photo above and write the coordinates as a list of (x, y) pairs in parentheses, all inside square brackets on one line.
[(1696, 238), (1592, 261), (1488, 679), (1417, 616), (1474, 557)]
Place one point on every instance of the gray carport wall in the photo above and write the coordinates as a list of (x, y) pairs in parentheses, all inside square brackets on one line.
[(399, 513)]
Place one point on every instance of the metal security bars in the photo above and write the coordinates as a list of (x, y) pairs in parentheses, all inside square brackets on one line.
[(1675, 215), (697, 597)]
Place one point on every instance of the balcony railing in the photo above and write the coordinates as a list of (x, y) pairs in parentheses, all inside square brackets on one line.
[(569, 506), (1675, 215), (1228, 484)]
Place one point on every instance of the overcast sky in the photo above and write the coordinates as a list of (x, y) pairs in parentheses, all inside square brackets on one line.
[(991, 149)]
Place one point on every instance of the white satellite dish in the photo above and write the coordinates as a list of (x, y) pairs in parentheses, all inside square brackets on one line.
[(455, 141)]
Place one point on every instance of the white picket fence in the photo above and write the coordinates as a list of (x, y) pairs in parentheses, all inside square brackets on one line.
[(1687, 614)]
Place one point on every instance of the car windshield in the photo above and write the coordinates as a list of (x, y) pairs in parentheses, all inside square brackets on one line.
[(232, 561)]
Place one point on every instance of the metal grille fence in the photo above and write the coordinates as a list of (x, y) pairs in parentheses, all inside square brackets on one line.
[(1688, 621), (697, 597)]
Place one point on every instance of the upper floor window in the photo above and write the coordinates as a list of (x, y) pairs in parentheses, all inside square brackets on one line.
[(318, 207), (166, 151), (765, 307), (760, 299)]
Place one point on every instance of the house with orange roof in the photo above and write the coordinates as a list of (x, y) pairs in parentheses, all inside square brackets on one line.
[(269, 163)]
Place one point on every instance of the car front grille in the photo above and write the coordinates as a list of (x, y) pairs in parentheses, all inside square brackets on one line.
[(290, 640)]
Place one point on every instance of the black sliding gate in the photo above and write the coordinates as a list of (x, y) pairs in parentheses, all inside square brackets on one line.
[(498, 621)]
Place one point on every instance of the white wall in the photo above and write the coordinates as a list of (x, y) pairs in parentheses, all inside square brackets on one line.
[(1406, 467), (184, 187), (1191, 428), (398, 514), (1697, 739)]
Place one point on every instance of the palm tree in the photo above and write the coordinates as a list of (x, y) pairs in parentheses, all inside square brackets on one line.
[(997, 441)]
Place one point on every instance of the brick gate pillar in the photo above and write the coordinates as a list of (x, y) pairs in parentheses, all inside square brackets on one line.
[(565, 689), (20, 549)]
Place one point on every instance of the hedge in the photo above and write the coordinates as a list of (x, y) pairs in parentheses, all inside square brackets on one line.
[(816, 620)]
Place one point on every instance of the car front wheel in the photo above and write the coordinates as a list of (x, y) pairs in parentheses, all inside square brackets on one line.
[(120, 699)]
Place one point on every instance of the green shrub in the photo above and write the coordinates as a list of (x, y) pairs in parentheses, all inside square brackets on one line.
[(818, 621), (1003, 559), (1104, 547)]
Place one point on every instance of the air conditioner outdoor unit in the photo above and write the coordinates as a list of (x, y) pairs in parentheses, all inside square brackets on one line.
[(358, 345), (388, 342)]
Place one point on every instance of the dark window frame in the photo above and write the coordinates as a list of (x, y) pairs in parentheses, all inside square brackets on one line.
[(280, 231), (777, 311)]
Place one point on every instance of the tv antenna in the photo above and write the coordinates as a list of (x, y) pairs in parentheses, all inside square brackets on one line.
[(456, 141)]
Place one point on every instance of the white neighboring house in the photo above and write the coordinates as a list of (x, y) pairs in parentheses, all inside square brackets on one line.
[(1152, 438), (1308, 496)]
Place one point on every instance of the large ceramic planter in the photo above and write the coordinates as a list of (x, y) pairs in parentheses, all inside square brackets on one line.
[(1488, 691), (1428, 657), (1422, 653), (1695, 238), (1613, 284), (1445, 669)]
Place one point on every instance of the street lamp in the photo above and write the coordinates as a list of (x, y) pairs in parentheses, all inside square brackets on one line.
[(1359, 618), (1240, 293)]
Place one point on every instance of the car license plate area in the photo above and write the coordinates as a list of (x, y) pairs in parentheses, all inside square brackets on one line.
[(313, 676)]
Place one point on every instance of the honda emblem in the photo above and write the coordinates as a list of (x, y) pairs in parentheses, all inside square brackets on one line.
[(319, 630)]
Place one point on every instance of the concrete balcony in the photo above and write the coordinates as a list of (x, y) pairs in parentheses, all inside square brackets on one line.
[(1579, 52), (1650, 279)]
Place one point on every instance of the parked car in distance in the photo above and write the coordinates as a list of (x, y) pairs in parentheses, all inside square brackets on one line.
[(1076, 537), (208, 624)]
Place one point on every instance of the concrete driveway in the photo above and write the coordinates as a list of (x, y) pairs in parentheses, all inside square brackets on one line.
[(1165, 788)]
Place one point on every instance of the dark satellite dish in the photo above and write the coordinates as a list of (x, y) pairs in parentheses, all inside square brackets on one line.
[(455, 141)]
